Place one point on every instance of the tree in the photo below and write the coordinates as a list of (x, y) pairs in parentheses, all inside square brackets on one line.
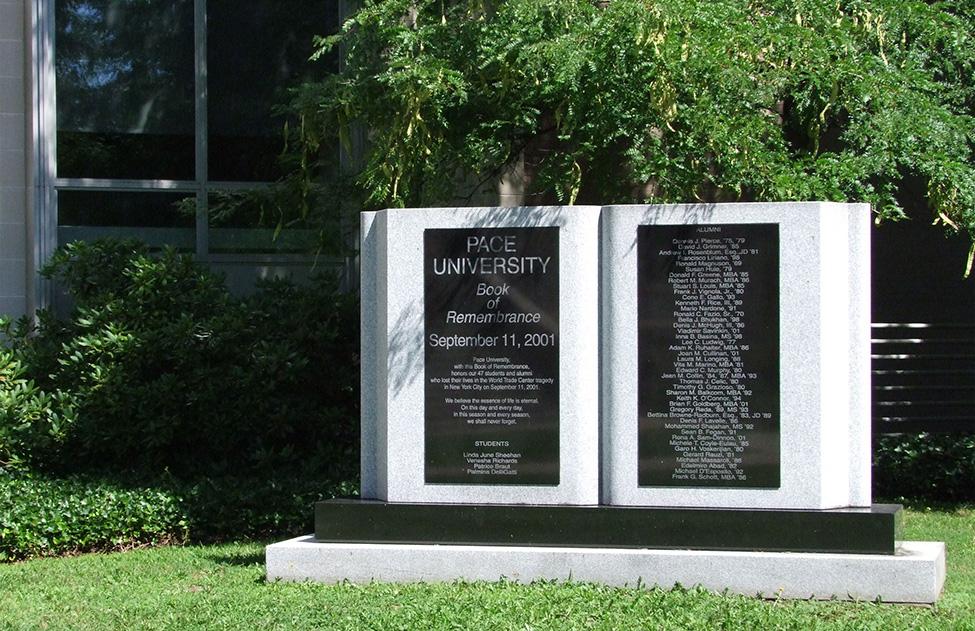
[(660, 101)]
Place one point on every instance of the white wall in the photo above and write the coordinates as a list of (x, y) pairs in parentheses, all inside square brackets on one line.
[(13, 158)]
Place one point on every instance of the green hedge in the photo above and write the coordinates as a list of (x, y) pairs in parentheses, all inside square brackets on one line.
[(241, 507), (42, 517), (939, 467)]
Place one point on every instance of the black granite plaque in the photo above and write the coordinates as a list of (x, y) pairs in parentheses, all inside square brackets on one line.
[(708, 304), (491, 313)]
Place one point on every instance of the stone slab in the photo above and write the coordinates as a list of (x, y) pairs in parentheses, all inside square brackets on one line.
[(393, 349), (860, 218), (371, 405), (914, 575), (824, 420), (872, 530)]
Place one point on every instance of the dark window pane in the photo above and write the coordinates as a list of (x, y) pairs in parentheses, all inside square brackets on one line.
[(246, 222), (232, 240), (153, 217), (125, 104), (255, 51)]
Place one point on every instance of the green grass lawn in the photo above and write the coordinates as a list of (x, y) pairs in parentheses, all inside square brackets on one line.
[(223, 587)]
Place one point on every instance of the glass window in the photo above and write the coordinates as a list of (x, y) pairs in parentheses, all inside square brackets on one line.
[(153, 217), (241, 223), (149, 92), (253, 57), (125, 89)]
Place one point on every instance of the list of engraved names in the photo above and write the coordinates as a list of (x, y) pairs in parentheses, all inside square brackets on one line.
[(708, 355)]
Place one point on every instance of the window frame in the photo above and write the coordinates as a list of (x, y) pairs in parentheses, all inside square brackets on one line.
[(44, 156)]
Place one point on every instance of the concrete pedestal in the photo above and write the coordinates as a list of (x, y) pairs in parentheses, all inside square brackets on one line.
[(915, 574)]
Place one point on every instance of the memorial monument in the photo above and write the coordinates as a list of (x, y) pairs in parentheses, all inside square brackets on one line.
[(628, 394)]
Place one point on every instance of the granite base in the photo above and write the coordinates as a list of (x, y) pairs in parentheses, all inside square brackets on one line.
[(915, 574)]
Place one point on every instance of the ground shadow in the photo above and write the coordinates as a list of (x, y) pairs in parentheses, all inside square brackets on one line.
[(237, 559)]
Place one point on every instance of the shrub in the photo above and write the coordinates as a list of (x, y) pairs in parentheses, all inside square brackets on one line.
[(170, 408), (938, 467), (158, 368), (43, 517), (46, 516), (271, 506), (31, 419)]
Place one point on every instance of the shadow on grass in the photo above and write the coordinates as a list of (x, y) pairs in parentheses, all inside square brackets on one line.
[(243, 559), (921, 504), (238, 559)]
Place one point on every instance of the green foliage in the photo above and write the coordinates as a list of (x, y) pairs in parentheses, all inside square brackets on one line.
[(46, 516), (41, 517), (310, 208), (170, 409), (672, 101), (269, 506), (939, 467), (30, 418), (158, 368)]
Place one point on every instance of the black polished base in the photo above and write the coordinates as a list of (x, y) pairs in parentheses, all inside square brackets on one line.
[(871, 530)]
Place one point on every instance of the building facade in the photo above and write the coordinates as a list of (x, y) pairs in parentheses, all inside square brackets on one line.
[(16, 264)]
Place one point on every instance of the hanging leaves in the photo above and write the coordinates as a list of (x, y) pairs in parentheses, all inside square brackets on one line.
[(666, 101)]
